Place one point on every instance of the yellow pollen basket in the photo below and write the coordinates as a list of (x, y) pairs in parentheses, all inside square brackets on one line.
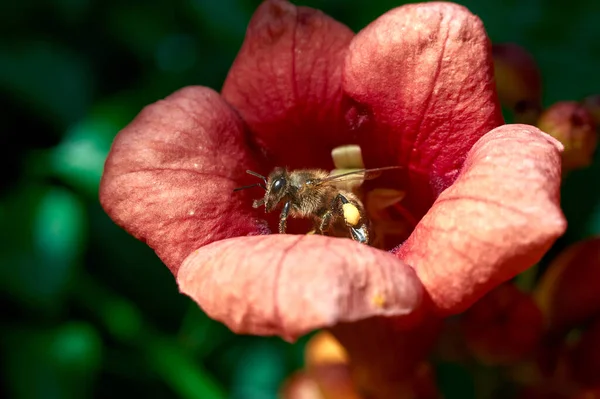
[(351, 214)]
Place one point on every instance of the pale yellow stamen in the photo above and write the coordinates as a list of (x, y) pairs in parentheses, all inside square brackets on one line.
[(347, 157), (381, 198), (351, 214)]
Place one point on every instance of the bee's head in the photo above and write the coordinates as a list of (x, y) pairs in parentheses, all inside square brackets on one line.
[(277, 188)]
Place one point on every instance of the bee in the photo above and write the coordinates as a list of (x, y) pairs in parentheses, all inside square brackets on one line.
[(314, 193)]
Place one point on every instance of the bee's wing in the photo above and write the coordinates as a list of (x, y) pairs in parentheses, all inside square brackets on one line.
[(362, 174)]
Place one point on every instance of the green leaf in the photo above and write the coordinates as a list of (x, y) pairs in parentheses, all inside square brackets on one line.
[(47, 235), (259, 370), (59, 235), (594, 221), (52, 79), (580, 199), (162, 354), (120, 316), (179, 370), (200, 334), (61, 362), (79, 158), (231, 24)]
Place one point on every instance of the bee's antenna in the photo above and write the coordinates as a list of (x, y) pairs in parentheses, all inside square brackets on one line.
[(250, 186), (262, 185), (257, 175)]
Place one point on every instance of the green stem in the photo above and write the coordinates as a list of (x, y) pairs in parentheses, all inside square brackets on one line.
[(180, 370)]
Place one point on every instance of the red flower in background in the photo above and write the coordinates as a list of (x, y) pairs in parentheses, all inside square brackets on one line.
[(414, 88)]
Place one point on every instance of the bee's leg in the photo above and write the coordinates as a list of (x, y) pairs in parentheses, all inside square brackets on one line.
[(258, 203), (325, 219), (349, 211), (283, 217), (360, 233)]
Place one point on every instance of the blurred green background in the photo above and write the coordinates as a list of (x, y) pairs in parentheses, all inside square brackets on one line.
[(87, 310)]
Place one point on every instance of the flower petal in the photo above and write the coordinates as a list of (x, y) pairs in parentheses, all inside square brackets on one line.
[(498, 218), (286, 83), (169, 177), (422, 83), (289, 285)]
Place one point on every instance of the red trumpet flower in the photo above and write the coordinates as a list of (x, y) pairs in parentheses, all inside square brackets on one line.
[(416, 89)]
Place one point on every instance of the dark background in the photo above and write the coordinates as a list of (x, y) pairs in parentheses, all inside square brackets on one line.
[(88, 310)]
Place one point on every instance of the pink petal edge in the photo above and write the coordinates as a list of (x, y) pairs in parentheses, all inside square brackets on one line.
[(498, 219), (289, 285)]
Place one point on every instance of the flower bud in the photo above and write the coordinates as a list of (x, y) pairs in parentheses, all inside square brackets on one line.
[(569, 292), (518, 79), (300, 386), (504, 326), (326, 363), (572, 124), (323, 348)]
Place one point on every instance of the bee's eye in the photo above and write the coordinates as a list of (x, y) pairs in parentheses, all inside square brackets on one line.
[(277, 185)]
